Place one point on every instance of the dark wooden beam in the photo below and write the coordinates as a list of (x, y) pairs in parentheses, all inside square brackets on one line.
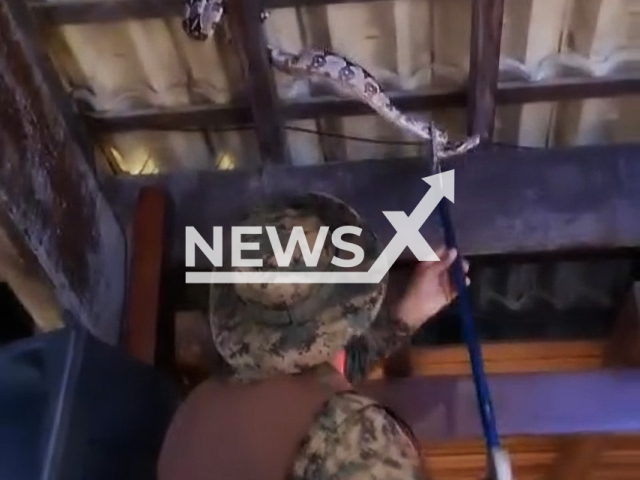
[(247, 31), (70, 12), (507, 200), (227, 116), (146, 274), (101, 11), (486, 32), (50, 199)]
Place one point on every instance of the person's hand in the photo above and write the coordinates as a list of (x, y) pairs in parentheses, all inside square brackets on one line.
[(429, 290)]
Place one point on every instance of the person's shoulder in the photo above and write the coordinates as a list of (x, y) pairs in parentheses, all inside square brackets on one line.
[(356, 438)]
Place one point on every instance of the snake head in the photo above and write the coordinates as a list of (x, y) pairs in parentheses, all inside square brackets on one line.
[(201, 17)]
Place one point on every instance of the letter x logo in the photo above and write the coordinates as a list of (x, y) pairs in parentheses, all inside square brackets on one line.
[(408, 227)]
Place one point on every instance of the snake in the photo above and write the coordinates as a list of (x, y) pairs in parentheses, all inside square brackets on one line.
[(202, 17)]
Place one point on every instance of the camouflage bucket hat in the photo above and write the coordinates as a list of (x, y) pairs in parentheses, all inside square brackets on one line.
[(274, 328)]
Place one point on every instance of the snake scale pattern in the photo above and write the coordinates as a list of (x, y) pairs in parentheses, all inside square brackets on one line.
[(201, 17)]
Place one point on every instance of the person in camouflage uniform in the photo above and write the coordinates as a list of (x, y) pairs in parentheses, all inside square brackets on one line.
[(265, 331)]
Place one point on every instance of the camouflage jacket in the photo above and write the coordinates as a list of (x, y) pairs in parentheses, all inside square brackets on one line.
[(355, 438), (384, 337)]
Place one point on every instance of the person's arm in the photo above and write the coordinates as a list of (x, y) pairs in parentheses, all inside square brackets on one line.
[(428, 291)]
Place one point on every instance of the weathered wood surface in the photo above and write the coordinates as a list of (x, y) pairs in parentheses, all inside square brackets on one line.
[(48, 193), (246, 28), (507, 200), (237, 115), (511, 357), (486, 33), (78, 11)]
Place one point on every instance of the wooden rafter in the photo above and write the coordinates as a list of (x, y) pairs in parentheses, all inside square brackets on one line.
[(77, 12), (246, 26), (486, 32), (218, 116), (50, 199)]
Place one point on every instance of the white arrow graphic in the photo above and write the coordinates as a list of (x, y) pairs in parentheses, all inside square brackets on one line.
[(407, 235), (408, 228)]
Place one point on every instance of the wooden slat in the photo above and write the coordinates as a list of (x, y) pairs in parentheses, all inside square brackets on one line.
[(486, 32), (248, 34), (516, 357), (194, 351), (549, 199), (225, 116), (49, 196), (146, 274)]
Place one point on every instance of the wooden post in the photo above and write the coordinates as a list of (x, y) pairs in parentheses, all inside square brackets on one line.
[(48, 193), (247, 31), (486, 33), (146, 274)]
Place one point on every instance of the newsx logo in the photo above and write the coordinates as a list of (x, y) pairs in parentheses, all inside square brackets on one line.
[(407, 235)]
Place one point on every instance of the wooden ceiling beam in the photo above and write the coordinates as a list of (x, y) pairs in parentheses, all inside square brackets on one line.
[(246, 28), (49, 196), (486, 33), (507, 200), (240, 116), (100, 11)]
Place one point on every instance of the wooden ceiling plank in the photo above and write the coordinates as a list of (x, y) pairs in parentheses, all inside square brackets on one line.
[(50, 198)]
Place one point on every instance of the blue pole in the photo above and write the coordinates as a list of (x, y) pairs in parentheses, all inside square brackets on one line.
[(483, 394)]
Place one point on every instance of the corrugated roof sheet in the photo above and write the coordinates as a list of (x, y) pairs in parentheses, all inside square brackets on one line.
[(408, 44)]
